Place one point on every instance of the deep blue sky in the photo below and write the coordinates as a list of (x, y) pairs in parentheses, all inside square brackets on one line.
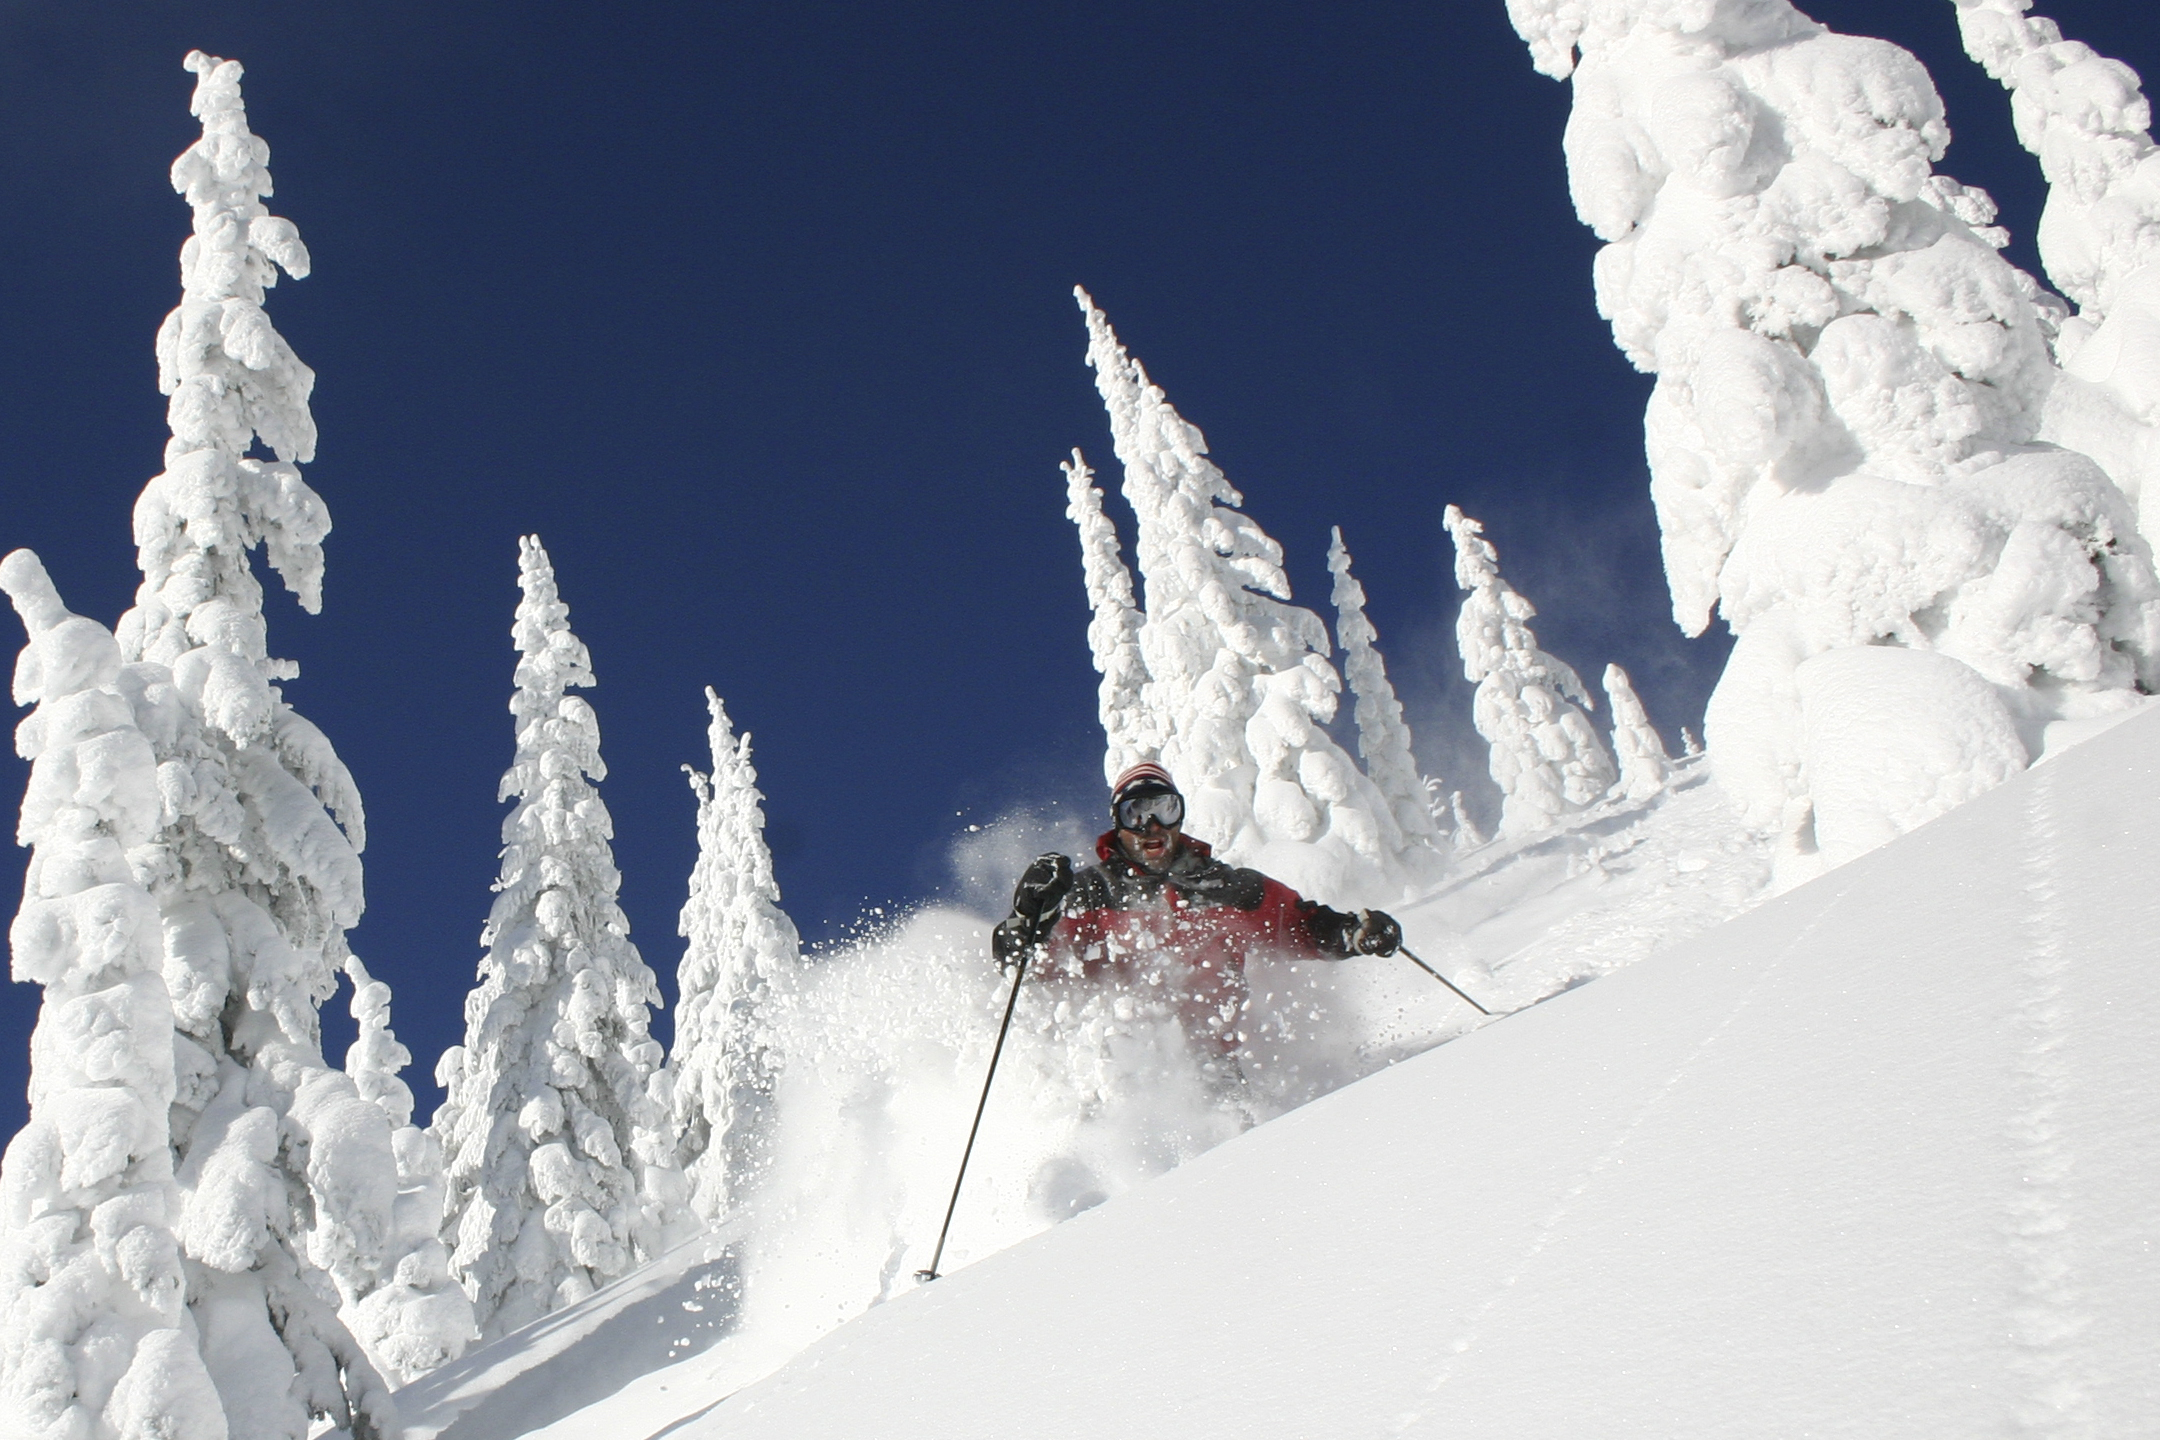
[(759, 316)]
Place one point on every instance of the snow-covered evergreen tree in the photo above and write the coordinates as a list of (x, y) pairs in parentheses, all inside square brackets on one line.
[(1446, 808), (1383, 738), (277, 1157), (233, 380), (1545, 757), (2086, 118), (1644, 765), (407, 1310), (95, 1336), (742, 959), (1464, 830), (561, 1164), (1238, 679), (1131, 731), (1850, 385)]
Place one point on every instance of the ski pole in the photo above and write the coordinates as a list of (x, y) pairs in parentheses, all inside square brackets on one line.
[(1405, 950), (1019, 972)]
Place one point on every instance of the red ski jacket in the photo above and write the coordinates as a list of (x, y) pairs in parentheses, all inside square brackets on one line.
[(1188, 931)]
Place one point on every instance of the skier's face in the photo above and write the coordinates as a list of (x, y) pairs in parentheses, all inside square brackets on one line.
[(1152, 848)]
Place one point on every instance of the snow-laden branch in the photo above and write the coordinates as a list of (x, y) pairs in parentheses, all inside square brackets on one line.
[(2090, 123)]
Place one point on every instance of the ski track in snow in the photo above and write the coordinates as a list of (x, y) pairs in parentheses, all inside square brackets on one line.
[(2047, 1317), (1549, 1230)]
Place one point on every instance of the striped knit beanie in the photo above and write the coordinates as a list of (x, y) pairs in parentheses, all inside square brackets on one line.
[(1146, 775)]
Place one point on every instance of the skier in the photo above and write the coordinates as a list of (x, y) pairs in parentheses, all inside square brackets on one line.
[(1159, 910)]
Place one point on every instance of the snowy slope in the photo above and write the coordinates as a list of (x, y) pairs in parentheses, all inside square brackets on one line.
[(1876, 1158), (643, 1322), (1615, 884), (858, 1205)]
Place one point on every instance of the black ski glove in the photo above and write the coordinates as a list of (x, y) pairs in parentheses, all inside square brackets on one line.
[(1042, 889), (1042, 886), (1376, 934)]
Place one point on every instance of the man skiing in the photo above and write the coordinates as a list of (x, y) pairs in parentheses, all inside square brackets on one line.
[(1158, 912)]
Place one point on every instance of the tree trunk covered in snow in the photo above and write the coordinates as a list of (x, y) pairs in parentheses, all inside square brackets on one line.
[(1544, 756), (741, 962), (561, 1166), (1237, 681), (1846, 436)]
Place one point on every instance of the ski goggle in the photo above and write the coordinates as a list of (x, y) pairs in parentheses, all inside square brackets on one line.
[(1166, 808)]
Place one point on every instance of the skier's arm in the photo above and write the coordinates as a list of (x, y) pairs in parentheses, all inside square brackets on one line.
[(1289, 924), (1327, 931), (1325, 934)]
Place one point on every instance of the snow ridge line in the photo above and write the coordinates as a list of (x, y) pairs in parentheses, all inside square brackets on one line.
[(2046, 1316), (1549, 1230)]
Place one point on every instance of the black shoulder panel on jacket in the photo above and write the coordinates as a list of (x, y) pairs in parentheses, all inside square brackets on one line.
[(1090, 891), (1211, 882), (1244, 888)]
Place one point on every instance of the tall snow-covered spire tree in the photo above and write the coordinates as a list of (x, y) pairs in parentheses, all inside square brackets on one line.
[(1129, 729), (233, 381), (742, 960), (1850, 384), (2087, 119), (278, 1159), (1383, 738), (561, 1166), (1238, 679), (1644, 765), (95, 1337), (1545, 758)]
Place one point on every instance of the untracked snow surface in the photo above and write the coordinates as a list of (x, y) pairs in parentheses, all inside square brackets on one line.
[(1877, 1158)]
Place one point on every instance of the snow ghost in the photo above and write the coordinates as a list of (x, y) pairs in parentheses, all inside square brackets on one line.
[(1848, 439)]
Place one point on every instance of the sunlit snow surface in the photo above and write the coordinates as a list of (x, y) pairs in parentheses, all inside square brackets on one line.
[(1874, 1159)]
